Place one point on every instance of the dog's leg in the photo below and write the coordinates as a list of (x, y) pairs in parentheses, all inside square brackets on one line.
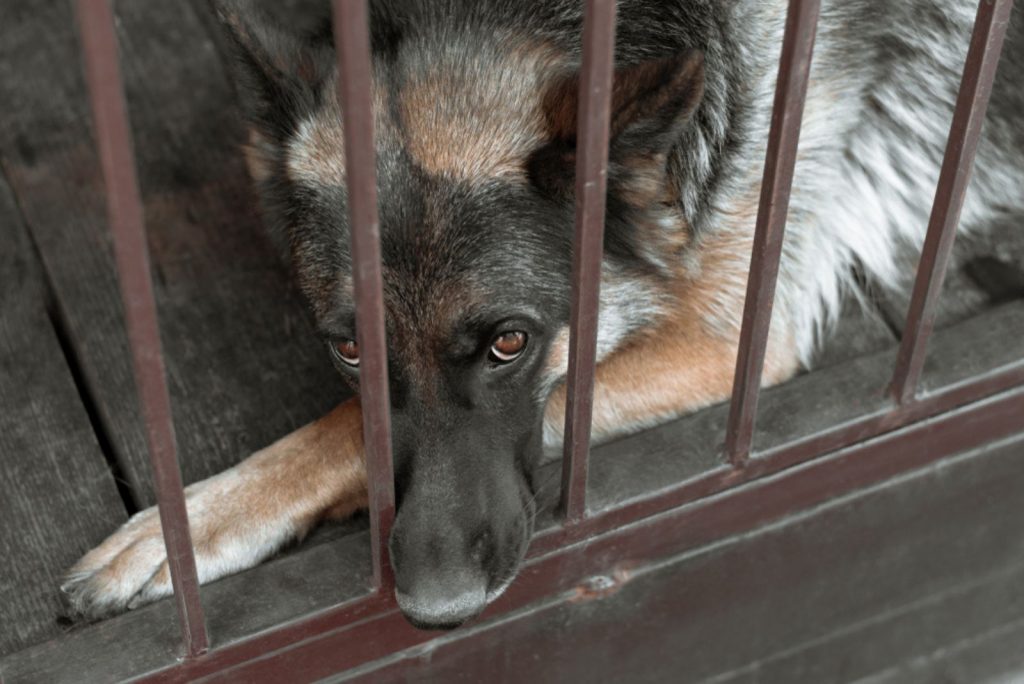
[(688, 359), (237, 518), (672, 370)]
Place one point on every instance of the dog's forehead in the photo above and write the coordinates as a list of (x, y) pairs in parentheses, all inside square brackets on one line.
[(465, 106), (456, 119), (472, 108), (450, 250), (446, 246)]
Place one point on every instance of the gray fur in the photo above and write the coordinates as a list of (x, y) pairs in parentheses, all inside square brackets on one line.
[(882, 89)]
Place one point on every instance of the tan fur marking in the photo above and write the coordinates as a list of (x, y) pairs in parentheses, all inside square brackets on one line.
[(472, 121), (558, 354), (237, 518), (316, 156), (316, 469), (648, 182), (258, 156), (688, 360)]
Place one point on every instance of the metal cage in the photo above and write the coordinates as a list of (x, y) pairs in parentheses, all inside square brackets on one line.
[(316, 639)]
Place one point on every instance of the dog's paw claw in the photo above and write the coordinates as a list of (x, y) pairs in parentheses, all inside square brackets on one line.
[(130, 570), (110, 576), (78, 597)]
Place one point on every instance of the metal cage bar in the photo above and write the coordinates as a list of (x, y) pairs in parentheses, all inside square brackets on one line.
[(324, 629), (780, 160), (986, 46), (124, 208), (351, 31), (591, 181)]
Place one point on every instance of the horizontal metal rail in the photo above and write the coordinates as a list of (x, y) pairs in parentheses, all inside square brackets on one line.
[(124, 209)]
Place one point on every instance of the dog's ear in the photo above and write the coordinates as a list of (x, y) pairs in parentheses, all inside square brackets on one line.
[(276, 73), (652, 102)]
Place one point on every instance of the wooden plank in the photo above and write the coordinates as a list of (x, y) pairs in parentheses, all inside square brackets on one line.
[(243, 365), (861, 330), (240, 605), (995, 657), (940, 636), (59, 498)]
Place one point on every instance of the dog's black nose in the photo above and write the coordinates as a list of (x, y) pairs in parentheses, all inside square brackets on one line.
[(432, 605)]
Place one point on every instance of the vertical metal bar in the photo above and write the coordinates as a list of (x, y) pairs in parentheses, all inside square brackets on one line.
[(787, 115), (124, 207), (351, 31), (591, 182), (975, 88)]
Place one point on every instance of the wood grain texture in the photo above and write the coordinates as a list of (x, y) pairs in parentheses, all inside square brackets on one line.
[(147, 639), (243, 365), (58, 497), (994, 656)]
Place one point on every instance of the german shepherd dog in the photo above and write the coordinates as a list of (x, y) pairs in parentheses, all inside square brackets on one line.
[(475, 114)]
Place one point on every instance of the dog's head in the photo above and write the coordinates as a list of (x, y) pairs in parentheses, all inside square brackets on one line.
[(475, 139)]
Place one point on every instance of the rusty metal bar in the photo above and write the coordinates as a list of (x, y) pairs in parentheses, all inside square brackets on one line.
[(351, 31), (124, 208), (975, 88), (591, 182), (780, 160)]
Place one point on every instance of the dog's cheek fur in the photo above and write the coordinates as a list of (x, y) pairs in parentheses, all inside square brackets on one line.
[(260, 155), (646, 233)]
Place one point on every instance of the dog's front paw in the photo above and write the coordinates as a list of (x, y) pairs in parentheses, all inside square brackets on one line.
[(230, 532)]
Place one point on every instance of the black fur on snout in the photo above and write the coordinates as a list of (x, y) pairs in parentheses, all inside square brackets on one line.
[(465, 517)]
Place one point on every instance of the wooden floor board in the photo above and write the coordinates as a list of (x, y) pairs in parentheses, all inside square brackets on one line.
[(243, 365), (58, 497)]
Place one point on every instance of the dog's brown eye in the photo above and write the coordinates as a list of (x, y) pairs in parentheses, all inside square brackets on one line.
[(348, 350), (508, 345)]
